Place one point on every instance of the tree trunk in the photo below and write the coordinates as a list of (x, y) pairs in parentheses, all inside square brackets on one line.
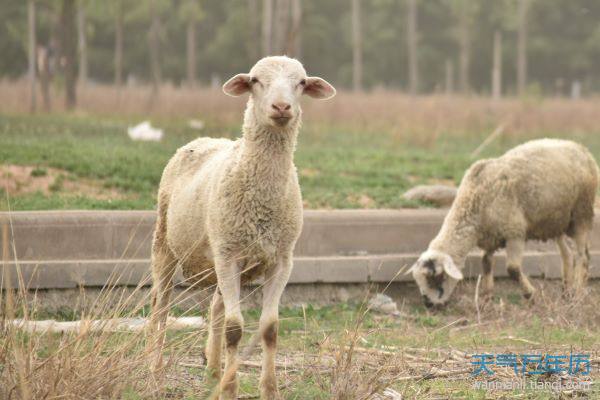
[(82, 44), (464, 53), (69, 51), (522, 47), (281, 25), (267, 27), (449, 77), (43, 61), (413, 72), (32, 48), (497, 67), (119, 45), (154, 49), (294, 46), (191, 52), (356, 47), (253, 49)]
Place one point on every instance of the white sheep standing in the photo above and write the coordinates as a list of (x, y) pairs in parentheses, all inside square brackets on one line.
[(231, 211), (543, 189)]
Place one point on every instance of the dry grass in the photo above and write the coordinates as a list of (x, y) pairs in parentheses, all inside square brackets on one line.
[(426, 116), (89, 363), (335, 352)]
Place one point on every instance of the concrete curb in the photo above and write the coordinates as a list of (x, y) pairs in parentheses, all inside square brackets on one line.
[(67, 249)]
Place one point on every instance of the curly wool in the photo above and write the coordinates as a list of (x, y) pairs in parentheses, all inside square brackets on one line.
[(538, 190), (241, 197)]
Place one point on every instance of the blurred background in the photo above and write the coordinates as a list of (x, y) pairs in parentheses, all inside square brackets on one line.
[(95, 96)]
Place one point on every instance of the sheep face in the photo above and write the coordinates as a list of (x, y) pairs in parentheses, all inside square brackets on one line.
[(275, 85), (437, 275)]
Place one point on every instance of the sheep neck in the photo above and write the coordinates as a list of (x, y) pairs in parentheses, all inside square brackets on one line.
[(458, 233), (268, 152)]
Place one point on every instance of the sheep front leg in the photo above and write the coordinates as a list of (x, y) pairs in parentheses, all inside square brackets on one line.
[(582, 259), (228, 277), (488, 273), (514, 259), (567, 267), (275, 280), (214, 344)]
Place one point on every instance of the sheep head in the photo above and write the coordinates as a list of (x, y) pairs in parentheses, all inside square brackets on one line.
[(275, 85), (436, 275)]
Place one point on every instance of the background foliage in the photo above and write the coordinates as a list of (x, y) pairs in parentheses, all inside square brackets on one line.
[(563, 40)]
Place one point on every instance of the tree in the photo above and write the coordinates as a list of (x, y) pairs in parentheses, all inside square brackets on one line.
[(522, 46), (267, 27), (253, 49), (191, 14), (119, 27), (82, 44), (497, 66), (449, 71), (412, 39), (357, 61), (282, 19), (68, 50), (465, 12), (154, 48), (32, 54), (294, 45)]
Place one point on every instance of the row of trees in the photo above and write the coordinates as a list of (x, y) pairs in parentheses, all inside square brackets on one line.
[(414, 45)]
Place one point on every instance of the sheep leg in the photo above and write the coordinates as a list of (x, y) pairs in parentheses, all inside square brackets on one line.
[(488, 273), (214, 344), (567, 268), (228, 276), (163, 269), (275, 281), (514, 260), (582, 258)]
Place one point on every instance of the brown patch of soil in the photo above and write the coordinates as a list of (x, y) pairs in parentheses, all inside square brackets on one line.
[(23, 179), (431, 181)]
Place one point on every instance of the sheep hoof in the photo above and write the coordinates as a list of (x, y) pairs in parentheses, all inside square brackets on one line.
[(529, 296)]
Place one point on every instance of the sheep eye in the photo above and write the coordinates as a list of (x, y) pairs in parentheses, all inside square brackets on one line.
[(303, 82), (254, 80)]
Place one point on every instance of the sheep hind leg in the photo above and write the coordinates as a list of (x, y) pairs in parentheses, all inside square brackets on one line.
[(514, 262), (275, 281), (214, 344), (163, 269), (582, 259), (488, 273), (567, 265)]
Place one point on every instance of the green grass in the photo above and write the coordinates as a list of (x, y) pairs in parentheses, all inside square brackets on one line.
[(338, 167)]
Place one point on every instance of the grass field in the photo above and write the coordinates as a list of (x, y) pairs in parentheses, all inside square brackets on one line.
[(62, 161), (341, 351)]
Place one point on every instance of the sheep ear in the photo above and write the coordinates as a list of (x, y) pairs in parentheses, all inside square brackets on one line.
[(318, 88), (238, 85), (451, 269)]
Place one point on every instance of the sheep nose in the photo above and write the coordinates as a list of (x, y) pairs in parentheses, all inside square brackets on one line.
[(281, 106)]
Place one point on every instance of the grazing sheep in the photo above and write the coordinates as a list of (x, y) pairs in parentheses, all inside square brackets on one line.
[(231, 211), (543, 189)]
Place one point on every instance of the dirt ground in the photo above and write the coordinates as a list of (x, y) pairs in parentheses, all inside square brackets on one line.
[(24, 179)]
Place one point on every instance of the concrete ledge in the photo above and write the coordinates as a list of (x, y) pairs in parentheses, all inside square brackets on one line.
[(350, 269), (68, 249)]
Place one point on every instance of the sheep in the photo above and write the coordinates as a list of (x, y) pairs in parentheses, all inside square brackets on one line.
[(543, 189), (231, 211)]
